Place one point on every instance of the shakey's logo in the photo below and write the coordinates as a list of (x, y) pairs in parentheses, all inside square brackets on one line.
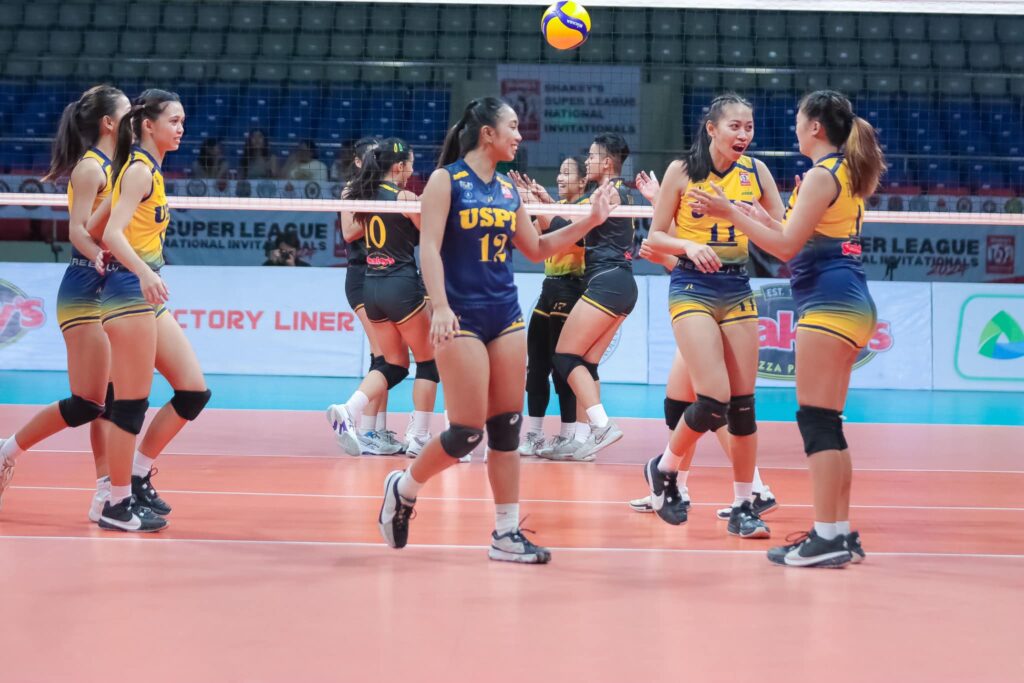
[(1001, 326), (19, 313)]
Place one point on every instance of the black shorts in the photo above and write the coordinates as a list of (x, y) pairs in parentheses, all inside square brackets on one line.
[(558, 295), (394, 298), (488, 322), (355, 276), (612, 290)]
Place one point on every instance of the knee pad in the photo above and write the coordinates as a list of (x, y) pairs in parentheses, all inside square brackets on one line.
[(821, 429), (742, 421), (674, 411), (393, 374), (565, 363), (503, 431), (188, 404), (130, 414), (459, 441), (377, 362), (592, 369), (428, 370), (706, 415), (108, 403), (78, 411)]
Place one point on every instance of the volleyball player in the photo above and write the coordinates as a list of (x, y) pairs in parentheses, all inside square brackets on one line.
[(394, 297), (820, 238), (561, 289), (714, 316), (610, 294), (470, 213), (84, 145), (142, 336)]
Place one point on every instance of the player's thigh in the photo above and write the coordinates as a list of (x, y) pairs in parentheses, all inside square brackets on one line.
[(507, 357), (679, 386), (823, 367), (176, 360), (699, 339), (741, 344), (88, 361), (464, 366), (584, 327)]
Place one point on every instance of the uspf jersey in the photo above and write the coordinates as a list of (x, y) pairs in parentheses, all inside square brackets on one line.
[(740, 184), (391, 238), (827, 276), (571, 261), (611, 243), (477, 238), (148, 225)]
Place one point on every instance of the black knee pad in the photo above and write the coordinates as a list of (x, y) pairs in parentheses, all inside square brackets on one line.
[(393, 374), (706, 415), (108, 403), (428, 370), (742, 421), (130, 414), (592, 369), (674, 411), (503, 431), (377, 362), (821, 428), (78, 411), (188, 404), (565, 363), (459, 441)]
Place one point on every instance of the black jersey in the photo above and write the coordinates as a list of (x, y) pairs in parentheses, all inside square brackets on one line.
[(611, 243), (357, 252), (391, 238)]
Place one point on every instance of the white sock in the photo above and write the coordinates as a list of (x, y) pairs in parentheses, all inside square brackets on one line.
[(669, 462), (506, 518), (356, 405), (421, 422), (382, 421), (681, 477), (119, 493), (741, 491), (568, 430), (142, 464), (367, 423), (843, 528), (597, 416), (535, 424), (10, 450), (408, 488), (827, 530), (582, 431), (103, 484), (758, 484)]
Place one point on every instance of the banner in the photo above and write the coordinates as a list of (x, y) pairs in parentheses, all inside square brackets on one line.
[(979, 337), (562, 108)]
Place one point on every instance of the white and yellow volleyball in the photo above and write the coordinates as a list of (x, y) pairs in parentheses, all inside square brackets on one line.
[(565, 25)]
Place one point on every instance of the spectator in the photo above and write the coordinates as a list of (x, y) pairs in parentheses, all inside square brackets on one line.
[(257, 161), (211, 163), (303, 164), (284, 251)]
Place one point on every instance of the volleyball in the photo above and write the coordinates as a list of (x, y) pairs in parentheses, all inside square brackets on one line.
[(566, 25)]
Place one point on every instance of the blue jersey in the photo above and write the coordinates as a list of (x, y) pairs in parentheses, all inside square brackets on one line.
[(476, 250)]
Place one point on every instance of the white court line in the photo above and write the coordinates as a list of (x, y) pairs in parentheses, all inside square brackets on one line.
[(346, 496), (525, 461), (381, 546)]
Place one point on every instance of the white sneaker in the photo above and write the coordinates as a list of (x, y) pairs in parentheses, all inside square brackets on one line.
[(6, 474), (96, 507), (378, 443), (514, 546), (344, 429), (416, 444), (598, 440), (561, 448), (532, 444)]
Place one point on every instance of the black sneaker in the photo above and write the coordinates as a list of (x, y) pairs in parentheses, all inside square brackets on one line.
[(811, 550), (665, 497), (395, 513), (764, 503), (142, 489), (129, 515), (514, 546), (745, 523), (856, 549)]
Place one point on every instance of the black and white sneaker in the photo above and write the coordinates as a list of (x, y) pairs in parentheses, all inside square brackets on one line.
[(857, 553), (764, 503), (811, 550), (514, 546), (666, 499), (395, 513), (129, 515), (142, 489), (745, 523)]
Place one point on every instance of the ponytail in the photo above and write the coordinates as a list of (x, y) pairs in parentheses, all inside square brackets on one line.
[(854, 137), (377, 163), (147, 107), (698, 158), (464, 136), (79, 128)]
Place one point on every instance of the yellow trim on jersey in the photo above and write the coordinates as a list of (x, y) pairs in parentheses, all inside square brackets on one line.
[(460, 175), (106, 166), (389, 188), (845, 215), (517, 325)]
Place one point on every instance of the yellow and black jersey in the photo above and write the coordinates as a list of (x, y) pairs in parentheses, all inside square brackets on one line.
[(611, 243), (147, 227), (845, 215), (571, 261), (740, 183), (100, 158)]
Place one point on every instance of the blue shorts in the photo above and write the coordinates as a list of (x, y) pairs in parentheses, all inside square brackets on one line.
[(78, 299), (122, 296), (490, 321), (837, 302), (725, 295)]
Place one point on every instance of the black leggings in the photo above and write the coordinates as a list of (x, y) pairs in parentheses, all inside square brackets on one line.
[(541, 340)]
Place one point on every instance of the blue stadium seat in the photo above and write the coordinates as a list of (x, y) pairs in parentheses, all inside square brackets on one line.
[(40, 115), (922, 131), (881, 113), (899, 174), (300, 115), (384, 112), (13, 94), (775, 123), (938, 175), (341, 119), (967, 142), (257, 108), (428, 117), (983, 176), (789, 168), (1004, 125)]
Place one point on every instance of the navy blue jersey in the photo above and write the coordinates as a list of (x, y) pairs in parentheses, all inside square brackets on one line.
[(477, 245), (391, 238), (611, 243)]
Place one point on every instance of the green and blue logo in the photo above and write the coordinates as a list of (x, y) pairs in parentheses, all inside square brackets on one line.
[(1001, 338)]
